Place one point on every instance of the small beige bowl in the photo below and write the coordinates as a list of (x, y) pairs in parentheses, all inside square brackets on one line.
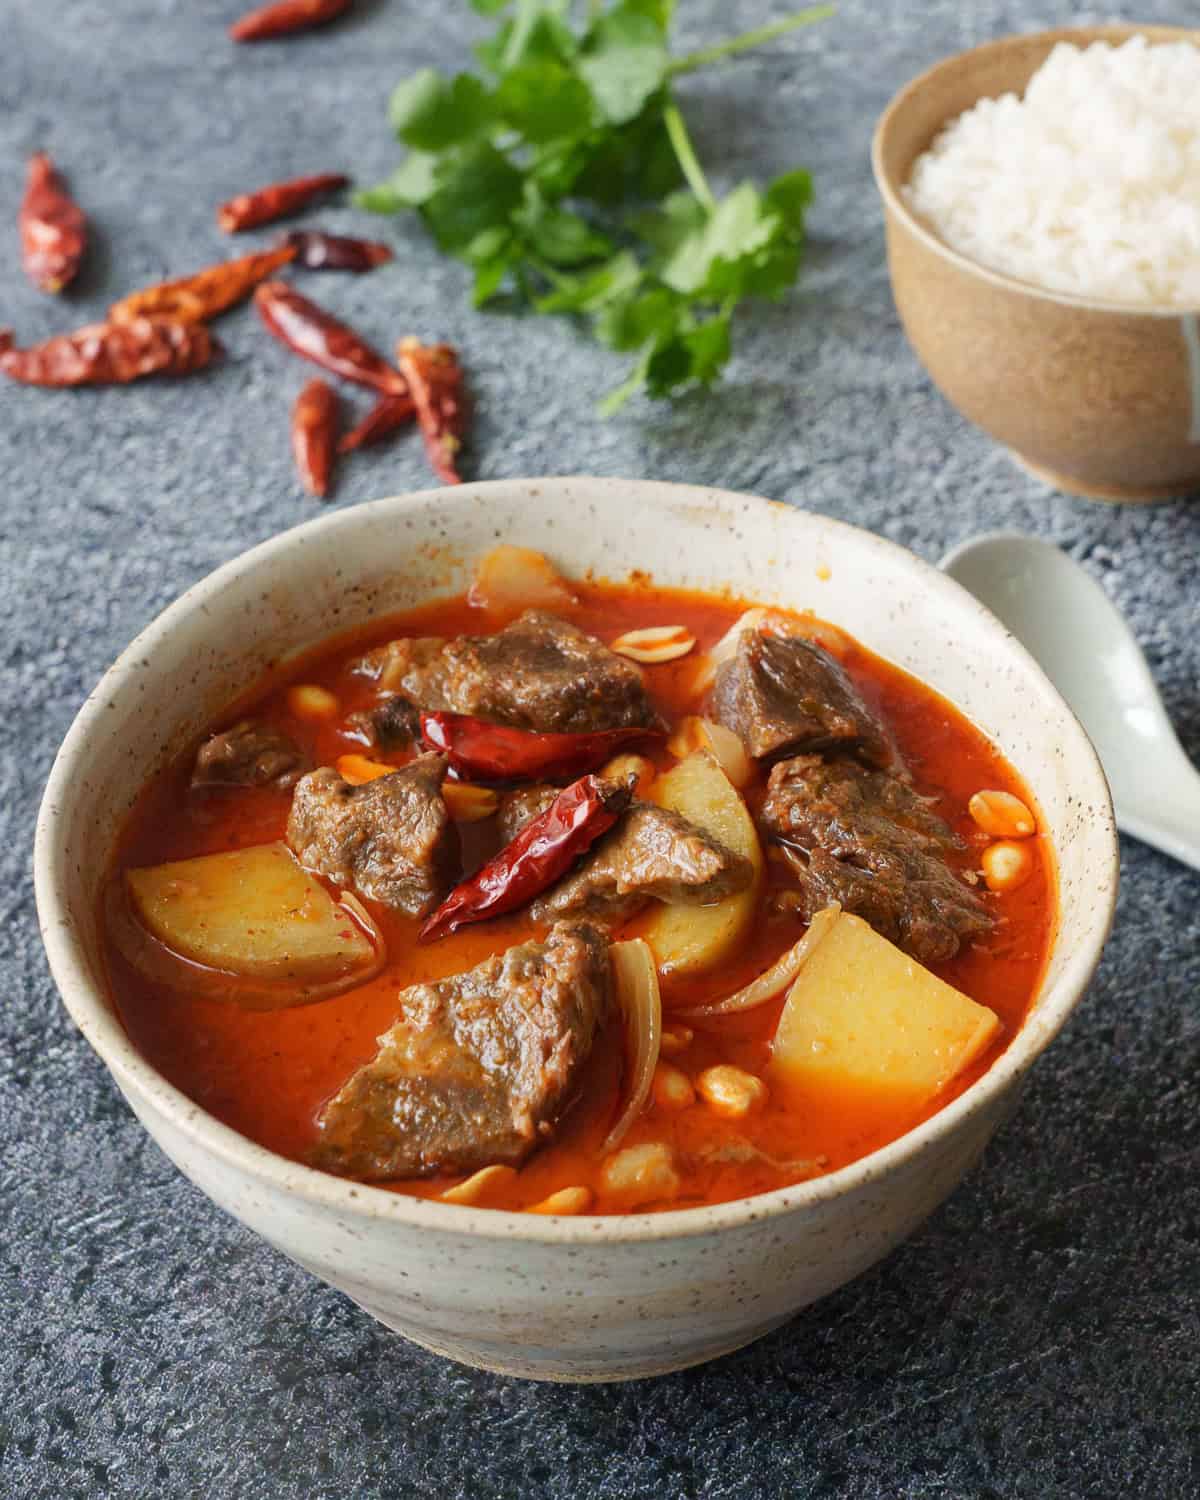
[(587, 1298), (1097, 398)]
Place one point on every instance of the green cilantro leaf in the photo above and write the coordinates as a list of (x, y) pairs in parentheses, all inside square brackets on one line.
[(680, 217), (705, 262), (626, 165), (566, 177), (478, 188), (544, 101), (562, 238), (633, 322), (490, 276), (695, 356), (623, 62), (538, 32), (430, 113), (409, 186), (591, 291), (789, 196), (658, 11)]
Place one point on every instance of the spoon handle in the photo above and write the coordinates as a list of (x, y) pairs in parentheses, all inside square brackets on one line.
[(1165, 809)]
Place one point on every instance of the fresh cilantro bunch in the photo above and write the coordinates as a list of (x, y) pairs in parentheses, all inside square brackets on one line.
[(564, 175)]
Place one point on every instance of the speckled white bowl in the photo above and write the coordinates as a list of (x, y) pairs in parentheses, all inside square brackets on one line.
[(566, 1298)]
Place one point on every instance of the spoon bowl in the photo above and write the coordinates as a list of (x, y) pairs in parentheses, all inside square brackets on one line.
[(1081, 641)]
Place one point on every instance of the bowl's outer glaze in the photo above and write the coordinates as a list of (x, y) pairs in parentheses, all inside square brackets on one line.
[(1099, 399), (584, 1298)]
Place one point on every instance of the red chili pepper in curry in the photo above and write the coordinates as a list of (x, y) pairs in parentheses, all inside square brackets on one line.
[(285, 18), (314, 435), (111, 353), (314, 334), (544, 849), (53, 228), (496, 752), (204, 294), (435, 378), (276, 201), (316, 250)]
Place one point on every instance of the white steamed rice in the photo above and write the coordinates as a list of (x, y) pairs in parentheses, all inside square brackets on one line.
[(1090, 184)]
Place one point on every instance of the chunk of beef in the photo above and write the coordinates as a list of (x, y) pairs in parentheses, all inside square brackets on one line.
[(249, 754), (652, 853), (390, 839), (521, 806), (478, 1067), (538, 673), (781, 694), (390, 725), (866, 840)]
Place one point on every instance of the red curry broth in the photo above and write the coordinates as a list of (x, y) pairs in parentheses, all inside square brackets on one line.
[(267, 1074)]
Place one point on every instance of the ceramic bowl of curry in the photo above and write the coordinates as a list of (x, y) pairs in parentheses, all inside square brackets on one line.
[(616, 1291)]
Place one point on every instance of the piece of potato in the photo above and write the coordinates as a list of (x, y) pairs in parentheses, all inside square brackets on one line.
[(862, 1012), (689, 939), (252, 912)]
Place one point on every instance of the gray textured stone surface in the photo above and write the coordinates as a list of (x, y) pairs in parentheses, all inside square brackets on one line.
[(1039, 1336)]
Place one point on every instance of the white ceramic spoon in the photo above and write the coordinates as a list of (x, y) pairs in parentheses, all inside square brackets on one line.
[(1066, 620)]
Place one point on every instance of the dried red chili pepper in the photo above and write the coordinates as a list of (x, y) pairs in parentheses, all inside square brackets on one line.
[(111, 353), (387, 415), (53, 228), (314, 435), (318, 251), (311, 332), (275, 201), (285, 18), (435, 377), (543, 850), (196, 298), (496, 752)]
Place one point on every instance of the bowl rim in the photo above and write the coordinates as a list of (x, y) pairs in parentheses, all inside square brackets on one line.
[(87, 1003), (895, 202)]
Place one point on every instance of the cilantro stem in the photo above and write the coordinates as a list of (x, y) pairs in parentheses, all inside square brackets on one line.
[(629, 387), (719, 51), (686, 156)]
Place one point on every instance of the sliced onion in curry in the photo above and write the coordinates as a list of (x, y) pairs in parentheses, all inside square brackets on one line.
[(635, 980), (772, 981), (776, 622), (722, 744), (509, 580), (728, 644)]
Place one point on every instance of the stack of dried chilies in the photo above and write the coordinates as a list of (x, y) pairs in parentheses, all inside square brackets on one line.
[(111, 353), (427, 385), (285, 18), (276, 201), (53, 228), (318, 251), (434, 377), (204, 294), (387, 416), (315, 334), (161, 329), (314, 432)]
